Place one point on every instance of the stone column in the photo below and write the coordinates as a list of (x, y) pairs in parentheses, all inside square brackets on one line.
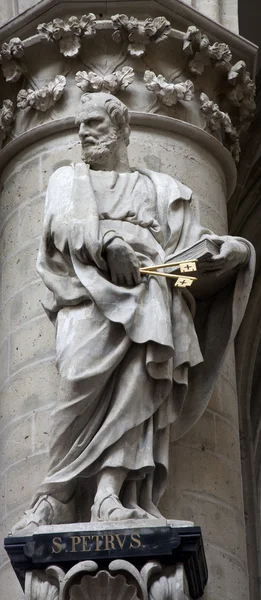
[(190, 132)]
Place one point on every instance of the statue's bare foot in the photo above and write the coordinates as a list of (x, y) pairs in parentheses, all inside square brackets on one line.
[(109, 508), (46, 511)]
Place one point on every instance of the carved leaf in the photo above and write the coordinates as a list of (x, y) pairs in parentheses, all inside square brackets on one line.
[(169, 93), (242, 90), (10, 51), (125, 77), (70, 45), (68, 33), (91, 82), (103, 586), (185, 90), (139, 33), (163, 29), (197, 44), (219, 120), (44, 98), (220, 54), (194, 40), (6, 118), (12, 71)]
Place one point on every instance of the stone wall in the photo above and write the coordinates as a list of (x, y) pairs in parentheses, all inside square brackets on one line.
[(205, 472)]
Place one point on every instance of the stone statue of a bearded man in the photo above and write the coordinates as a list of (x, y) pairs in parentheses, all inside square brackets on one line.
[(133, 355)]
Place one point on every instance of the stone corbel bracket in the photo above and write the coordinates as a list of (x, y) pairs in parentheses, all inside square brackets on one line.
[(112, 83), (217, 120), (68, 33), (44, 98), (168, 93)]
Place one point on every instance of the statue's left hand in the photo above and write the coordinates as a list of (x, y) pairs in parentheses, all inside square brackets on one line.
[(233, 253)]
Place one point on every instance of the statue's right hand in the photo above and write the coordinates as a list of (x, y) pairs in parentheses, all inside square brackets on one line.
[(123, 263)]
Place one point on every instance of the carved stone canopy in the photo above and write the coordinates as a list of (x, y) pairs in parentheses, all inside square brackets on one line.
[(154, 59)]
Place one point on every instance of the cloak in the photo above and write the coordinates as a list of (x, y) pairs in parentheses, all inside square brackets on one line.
[(132, 360)]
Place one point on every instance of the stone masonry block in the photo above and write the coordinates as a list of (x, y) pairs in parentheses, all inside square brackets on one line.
[(21, 184), (42, 429), (4, 358), (2, 496), (228, 367), (204, 473), (9, 581), (29, 391), (65, 152), (16, 441), (31, 220), (9, 237), (22, 307), (224, 400), (228, 578), (23, 479), (227, 440), (202, 435), (219, 522), (19, 270), (32, 342)]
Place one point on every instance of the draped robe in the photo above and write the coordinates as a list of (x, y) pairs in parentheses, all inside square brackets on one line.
[(132, 360)]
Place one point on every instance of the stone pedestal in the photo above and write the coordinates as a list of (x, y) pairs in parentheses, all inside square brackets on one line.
[(176, 131), (159, 561)]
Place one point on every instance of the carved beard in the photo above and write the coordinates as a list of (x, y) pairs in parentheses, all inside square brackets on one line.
[(99, 151)]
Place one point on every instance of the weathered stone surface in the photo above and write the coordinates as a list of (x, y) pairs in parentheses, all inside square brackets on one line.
[(33, 341)]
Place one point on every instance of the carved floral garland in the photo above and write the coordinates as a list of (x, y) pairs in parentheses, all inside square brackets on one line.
[(139, 33), (197, 45), (69, 33), (169, 93), (6, 118), (217, 120), (91, 82), (241, 90), (45, 97), (236, 91), (10, 52)]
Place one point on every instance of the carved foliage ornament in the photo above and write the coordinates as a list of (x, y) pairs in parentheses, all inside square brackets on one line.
[(242, 90), (69, 33), (122, 581), (169, 93), (139, 33), (45, 97), (197, 45), (91, 82), (216, 120), (10, 52), (6, 118)]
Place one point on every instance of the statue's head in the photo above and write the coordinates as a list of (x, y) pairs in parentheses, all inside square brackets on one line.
[(103, 124)]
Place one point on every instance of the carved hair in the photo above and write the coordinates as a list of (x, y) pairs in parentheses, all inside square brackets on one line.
[(116, 110)]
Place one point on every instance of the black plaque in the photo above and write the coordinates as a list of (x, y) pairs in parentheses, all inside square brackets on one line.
[(95, 545)]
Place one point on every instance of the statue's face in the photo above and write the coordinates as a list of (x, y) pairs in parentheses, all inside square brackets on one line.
[(97, 133)]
